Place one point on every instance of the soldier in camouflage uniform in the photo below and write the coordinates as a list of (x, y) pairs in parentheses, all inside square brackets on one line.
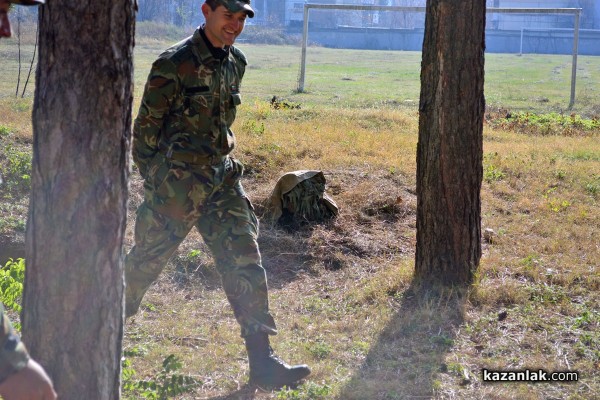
[(21, 378), (182, 144)]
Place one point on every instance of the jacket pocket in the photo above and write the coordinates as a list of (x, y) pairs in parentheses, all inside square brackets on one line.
[(158, 170), (198, 104)]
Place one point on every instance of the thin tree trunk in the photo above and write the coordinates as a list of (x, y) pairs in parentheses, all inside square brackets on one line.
[(73, 297), (37, 31), (19, 52), (450, 147)]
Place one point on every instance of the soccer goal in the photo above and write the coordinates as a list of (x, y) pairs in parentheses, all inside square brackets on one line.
[(576, 12)]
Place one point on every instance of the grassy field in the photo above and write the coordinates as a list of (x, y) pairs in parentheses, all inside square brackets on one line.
[(342, 291)]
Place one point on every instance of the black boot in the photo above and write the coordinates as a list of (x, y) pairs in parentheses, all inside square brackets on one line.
[(266, 369)]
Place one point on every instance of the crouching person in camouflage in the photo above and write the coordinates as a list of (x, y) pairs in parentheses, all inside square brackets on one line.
[(181, 146)]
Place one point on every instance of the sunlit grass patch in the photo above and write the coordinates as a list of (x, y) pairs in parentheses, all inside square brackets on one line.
[(550, 124), (341, 291)]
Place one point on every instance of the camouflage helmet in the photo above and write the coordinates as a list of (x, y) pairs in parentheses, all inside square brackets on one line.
[(27, 2), (300, 196), (238, 5)]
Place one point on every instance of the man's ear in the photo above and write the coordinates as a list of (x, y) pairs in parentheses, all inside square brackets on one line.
[(205, 9)]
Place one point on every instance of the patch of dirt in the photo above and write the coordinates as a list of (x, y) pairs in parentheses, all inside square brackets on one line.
[(376, 219)]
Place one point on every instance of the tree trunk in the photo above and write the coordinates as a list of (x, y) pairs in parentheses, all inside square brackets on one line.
[(73, 298), (450, 146)]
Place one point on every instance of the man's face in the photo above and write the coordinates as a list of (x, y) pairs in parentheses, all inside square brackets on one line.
[(4, 22), (222, 26)]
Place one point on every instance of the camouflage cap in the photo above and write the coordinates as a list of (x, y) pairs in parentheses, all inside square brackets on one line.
[(238, 5), (27, 2)]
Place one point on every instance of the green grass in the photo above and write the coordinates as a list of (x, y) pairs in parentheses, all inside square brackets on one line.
[(535, 83), (341, 77), (342, 292)]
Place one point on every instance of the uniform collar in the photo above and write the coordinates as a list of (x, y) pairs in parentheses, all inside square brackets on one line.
[(205, 49)]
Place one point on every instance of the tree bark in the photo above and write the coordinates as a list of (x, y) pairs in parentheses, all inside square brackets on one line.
[(450, 145), (73, 297)]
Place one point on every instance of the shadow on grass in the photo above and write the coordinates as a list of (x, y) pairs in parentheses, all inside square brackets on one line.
[(404, 361)]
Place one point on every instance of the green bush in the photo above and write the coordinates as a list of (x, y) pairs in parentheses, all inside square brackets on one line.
[(166, 384), (4, 131), (12, 276), (15, 168), (551, 124), (307, 391)]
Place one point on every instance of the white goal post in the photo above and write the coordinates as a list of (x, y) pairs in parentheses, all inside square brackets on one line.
[(576, 12)]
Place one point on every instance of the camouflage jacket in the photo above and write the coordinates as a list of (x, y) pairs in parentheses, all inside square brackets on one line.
[(189, 102), (13, 354)]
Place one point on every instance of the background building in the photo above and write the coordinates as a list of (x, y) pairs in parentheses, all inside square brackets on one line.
[(509, 33)]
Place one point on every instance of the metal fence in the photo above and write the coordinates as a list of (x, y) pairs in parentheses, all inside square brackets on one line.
[(575, 12)]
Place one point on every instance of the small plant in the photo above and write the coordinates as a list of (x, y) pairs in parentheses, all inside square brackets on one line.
[(560, 174), (136, 351), (22, 105), (254, 127), (16, 170), (166, 384), (547, 294), (442, 341), (149, 307), (492, 173), (319, 350), (271, 148), (360, 347), (307, 391), (550, 124), (193, 255), (12, 223), (557, 205), (584, 320), (12, 276), (531, 261), (593, 187), (282, 104), (4, 131)]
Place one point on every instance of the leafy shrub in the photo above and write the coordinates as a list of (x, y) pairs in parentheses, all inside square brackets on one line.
[(593, 187), (15, 168), (307, 391), (4, 131), (12, 276), (549, 124), (166, 384), (491, 173)]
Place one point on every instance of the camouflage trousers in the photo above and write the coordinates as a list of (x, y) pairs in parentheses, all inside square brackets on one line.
[(181, 196)]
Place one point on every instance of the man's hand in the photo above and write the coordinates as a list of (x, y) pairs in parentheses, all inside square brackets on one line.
[(30, 383)]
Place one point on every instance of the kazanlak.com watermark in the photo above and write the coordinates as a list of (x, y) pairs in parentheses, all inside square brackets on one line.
[(528, 375)]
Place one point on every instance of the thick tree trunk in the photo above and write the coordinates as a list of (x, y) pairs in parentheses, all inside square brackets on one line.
[(450, 147), (73, 299)]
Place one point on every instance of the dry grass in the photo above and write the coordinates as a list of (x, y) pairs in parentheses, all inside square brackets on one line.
[(342, 291)]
